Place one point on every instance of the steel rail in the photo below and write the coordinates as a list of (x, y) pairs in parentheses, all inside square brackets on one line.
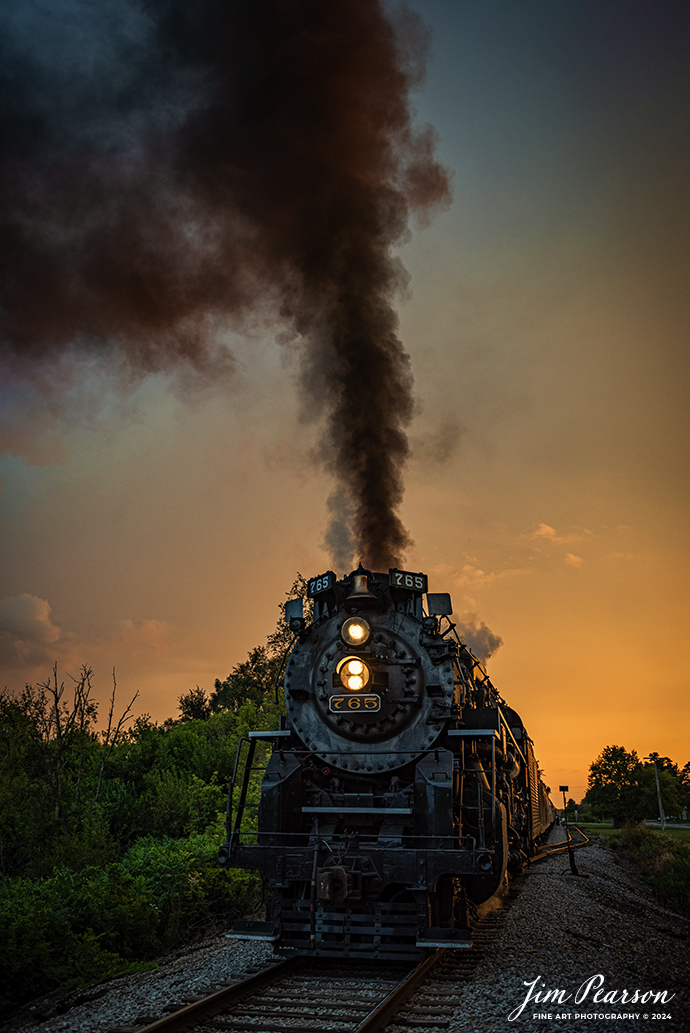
[(377, 1019), (384, 1012), (185, 1017), (561, 848)]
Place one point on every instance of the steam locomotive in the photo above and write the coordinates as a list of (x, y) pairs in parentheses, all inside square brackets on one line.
[(401, 791)]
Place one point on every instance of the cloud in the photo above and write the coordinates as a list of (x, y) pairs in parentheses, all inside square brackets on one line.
[(139, 639), (27, 633), (29, 639), (550, 533), (574, 561), (472, 576), (477, 635)]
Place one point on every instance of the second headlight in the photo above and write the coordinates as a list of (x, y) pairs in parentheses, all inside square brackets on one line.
[(354, 673)]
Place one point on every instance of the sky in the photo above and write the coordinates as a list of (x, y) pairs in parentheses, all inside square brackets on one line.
[(153, 523)]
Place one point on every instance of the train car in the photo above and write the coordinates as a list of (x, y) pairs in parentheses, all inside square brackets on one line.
[(401, 791)]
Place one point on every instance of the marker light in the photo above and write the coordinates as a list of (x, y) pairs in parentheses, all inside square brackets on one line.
[(355, 631), (354, 673)]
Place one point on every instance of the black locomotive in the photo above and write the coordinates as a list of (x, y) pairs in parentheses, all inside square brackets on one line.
[(401, 789)]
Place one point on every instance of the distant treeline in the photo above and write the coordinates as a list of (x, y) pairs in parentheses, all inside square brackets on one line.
[(624, 788)]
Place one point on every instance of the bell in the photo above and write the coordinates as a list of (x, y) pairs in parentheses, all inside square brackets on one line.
[(360, 587)]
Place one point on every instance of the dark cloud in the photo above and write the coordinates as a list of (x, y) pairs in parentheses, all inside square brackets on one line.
[(27, 634), (173, 167)]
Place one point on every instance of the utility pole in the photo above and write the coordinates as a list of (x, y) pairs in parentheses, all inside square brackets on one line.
[(658, 791)]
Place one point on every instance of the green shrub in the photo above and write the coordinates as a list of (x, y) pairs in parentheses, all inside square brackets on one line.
[(663, 862), (76, 928), (184, 877), (109, 842), (71, 929)]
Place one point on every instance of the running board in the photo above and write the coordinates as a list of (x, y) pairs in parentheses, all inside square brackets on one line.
[(248, 930), (454, 939)]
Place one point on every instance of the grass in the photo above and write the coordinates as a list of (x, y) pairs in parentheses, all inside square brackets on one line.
[(682, 834), (662, 858), (606, 830)]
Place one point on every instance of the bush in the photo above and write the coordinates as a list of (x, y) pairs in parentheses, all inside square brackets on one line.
[(76, 928), (71, 929), (663, 862), (109, 839), (194, 894)]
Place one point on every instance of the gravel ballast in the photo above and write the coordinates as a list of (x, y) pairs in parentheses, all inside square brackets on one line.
[(561, 930)]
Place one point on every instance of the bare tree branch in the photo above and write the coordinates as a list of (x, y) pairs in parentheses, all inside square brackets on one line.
[(111, 738)]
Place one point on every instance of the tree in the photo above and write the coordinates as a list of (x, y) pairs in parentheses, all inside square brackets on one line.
[(194, 705), (52, 764), (248, 682), (253, 681), (684, 787), (664, 764), (612, 784), (64, 732), (112, 735), (648, 800), (622, 788)]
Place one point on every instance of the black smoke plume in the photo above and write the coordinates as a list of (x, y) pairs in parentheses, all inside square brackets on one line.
[(171, 168)]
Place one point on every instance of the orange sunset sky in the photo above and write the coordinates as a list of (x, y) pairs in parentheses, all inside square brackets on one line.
[(155, 526)]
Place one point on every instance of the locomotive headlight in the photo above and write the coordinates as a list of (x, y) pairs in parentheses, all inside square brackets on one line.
[(354, 673), (355, 631)]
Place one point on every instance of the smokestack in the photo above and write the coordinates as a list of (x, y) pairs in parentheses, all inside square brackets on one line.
[(171, 168)]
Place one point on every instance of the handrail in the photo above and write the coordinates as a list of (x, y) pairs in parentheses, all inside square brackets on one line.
[(231, 788), (286, 654), (241, 804), (508, 730)]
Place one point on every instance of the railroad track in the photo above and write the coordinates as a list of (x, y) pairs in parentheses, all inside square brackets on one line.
[(562, 848), (305, 995)]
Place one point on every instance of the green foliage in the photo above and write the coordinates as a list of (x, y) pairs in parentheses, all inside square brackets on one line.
[(251, 681), (127, 865), (254, 680), (71, 928), (184, 878), (79, 927), (684, 787), (194, 705), (108, 846), (663, 861), (109, 840), (621, 787), (612, 783), (648, 801)]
